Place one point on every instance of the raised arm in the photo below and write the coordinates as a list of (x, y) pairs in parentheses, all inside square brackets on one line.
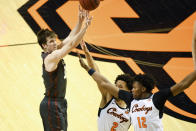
[(106, 96), (100, 79), (189, 79), (72, 42), (81, 16), (194, 45), (89, 58), (185, 83), (53, 59)]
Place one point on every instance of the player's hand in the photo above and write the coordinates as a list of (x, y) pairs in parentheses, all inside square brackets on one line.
[(83, 46), (82, 63), (88, 19), (82, 14)]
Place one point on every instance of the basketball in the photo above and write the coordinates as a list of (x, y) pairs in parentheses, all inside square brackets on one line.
[(89, 4)]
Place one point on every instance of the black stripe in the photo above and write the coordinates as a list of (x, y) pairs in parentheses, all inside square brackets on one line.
[(100, 109)]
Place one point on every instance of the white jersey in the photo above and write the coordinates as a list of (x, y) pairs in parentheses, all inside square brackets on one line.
[(145, 116), (113, 118)]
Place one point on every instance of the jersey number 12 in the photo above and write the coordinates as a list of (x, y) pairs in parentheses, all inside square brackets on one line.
[(143, 120)]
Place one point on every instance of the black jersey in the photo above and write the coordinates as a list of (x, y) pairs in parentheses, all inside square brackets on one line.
[(55, 82)]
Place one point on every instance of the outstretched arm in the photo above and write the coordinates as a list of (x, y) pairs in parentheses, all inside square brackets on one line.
[(88, 56), (185, 83), (105, 95), (100, 79), (189, 79), (72, 42), (81, 16), (194, 45), (53, 59)]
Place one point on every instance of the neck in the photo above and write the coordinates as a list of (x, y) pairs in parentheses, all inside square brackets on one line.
[(145, 95), (121, 103), (45, 51)]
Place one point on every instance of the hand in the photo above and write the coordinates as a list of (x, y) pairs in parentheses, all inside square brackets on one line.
[(82, 14), (82, 63), (83, 46), (87, 19)]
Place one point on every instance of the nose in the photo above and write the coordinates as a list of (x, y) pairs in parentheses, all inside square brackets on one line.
[(55, 43)]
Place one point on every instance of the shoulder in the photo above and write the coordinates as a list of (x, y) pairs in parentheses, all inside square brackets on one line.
[(166, 93), (50, 62)]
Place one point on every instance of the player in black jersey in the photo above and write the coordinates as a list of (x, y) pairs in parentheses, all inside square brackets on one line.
[(53, 108)]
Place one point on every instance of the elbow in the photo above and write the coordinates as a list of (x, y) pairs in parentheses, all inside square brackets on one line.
[(103, 84), (71, 45)]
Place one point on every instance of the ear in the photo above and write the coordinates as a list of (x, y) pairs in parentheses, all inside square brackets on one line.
[(143, 89), (44, 46)]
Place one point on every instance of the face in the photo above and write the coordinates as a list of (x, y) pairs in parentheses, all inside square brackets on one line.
[(137, 90), (51, 44), (122, 85)]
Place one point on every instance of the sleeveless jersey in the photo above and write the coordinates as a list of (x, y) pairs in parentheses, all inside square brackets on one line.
[(55, 81), (113, 118), (145, 116)]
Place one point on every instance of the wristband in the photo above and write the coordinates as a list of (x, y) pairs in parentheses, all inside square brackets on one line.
[(91, 71)]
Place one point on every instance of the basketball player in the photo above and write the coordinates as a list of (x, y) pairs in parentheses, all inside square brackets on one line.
[(113, 114), (146, 109), (53, 108)]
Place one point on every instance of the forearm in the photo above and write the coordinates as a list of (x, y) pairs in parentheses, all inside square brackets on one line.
[(71, 35), (185, 83), (194, 45), (96, 75), (70, 43), (78, 37), (99, 78), (76, 28), (101, 81)]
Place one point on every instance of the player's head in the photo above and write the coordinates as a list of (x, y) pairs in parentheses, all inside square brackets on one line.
[(142, 83), (124, 82), (47, 40)]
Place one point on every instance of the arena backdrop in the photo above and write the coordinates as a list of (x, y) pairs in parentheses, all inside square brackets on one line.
[(126, 36)]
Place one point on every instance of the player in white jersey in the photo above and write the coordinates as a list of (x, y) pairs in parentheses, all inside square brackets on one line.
[(146, 108), (113, 114)]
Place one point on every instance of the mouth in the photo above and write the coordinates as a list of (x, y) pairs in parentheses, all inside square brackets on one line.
[(134, 96), (133, 93)]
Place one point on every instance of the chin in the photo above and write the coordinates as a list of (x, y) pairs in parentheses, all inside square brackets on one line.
[(135, 97), (54, 49)]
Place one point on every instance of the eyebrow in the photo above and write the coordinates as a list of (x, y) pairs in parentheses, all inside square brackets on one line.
[(51, 40)]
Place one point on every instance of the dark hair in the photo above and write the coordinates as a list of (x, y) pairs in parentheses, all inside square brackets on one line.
[(126, 78), (43, 34), (146, 81)]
